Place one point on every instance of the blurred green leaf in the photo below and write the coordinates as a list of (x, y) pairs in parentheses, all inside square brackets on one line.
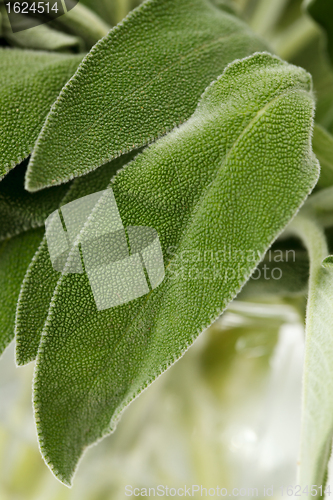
[(226, 180), (136, 84), (314, 59), (322, 144), (41, 278), (30, 82), (322, 12), (113, 11), (15, 256), (20, 210), (37, 37), (84, 23)]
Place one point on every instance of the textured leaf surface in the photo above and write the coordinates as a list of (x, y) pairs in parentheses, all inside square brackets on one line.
[(41, 279), (30, 82), (224, 184), (84, 23), (317, 406), (144, 78), (15, 256), (20, 210), (322, 12)]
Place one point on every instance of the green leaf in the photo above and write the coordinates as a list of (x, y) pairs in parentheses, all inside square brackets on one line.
[(15, 256), (136, 84), (41, 279), (323, 148), (321, 204), (317, 406), (223, 184), (322, 12), (20, 210), (37, 37), (30, 82)]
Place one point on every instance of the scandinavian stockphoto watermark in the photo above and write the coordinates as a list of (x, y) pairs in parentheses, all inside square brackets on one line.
[(23, 15)]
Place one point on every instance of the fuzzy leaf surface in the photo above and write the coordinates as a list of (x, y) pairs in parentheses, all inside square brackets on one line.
[(15, 256), (30, 81), (41, 279), (21, 210), (225, 183), (140, 81)]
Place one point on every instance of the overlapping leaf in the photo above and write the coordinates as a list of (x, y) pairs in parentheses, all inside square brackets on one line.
[(20, 210), (144, 78), (317, 407), (30, 82), (224, 184), (41, 278), (15, 256)]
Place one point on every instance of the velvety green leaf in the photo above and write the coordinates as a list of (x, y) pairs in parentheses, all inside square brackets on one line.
[(323, 148), (317, 406), (84, 23), (223, 184), (37, 37), (15, 256), (322, 12), (30, 82), (20, 210), (136, 84), (41, 279)]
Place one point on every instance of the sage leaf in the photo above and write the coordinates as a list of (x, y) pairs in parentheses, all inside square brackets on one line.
[(20, 210), (323, 149), (37, 37), (136, 84), (322, 12), (223, 184), (15, 256), (317, 404), (41, 279), (30, 82)]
